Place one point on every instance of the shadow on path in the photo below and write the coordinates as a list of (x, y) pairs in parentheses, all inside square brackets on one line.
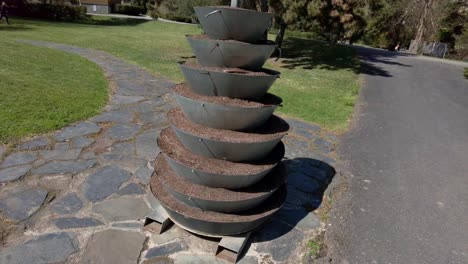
[(307, 181), (311, 54)]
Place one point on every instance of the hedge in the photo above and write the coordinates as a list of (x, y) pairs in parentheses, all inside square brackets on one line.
[(130, 10), (48, 11)]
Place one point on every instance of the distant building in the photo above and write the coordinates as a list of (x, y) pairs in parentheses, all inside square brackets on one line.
[(99, 6)]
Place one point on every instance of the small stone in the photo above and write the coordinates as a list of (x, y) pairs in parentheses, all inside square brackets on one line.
[(104, 182), (74, 222), (2, 151), (81, 142), (299, 218), (330, 137), (61, 146), (55, 182), (117, 116), (123, 148), (297, 199), (209, 259), (197, 259), (147, 146), (121, 99), (143, 174), (126, 87), (121, 209), (130, 189), (39, 162), (62, 167), (159, 260), (275, 238), (80, 129), (153, 117), (21, 204), (18, 159), (166, 249), (67, 154), (306, 133), (49, 248), (123, 161), (169, 235), (296, 124), (132, 225), (324, 145), (113, 246), (13, 173), (88, 155), (123, 131), (304, 182), (69, 204), (34, 144), (248, 260), (295, 143)]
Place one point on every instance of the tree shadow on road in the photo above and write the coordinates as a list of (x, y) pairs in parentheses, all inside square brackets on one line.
[(312, 54)]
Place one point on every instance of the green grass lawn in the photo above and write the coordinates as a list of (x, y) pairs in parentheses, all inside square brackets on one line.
[(319, 83), (43, 90)]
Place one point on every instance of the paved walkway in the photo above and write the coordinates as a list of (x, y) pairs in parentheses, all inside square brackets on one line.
[(148, 18), (80, 195), (408, 153)]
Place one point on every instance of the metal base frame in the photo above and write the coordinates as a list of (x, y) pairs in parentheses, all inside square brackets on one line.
[(229, 248)]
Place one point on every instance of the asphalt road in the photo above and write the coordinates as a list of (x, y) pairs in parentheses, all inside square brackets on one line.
[(407, 155)]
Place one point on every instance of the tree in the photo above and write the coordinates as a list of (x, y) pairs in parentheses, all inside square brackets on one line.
[(422, 25), (452, 22), (332, 20)]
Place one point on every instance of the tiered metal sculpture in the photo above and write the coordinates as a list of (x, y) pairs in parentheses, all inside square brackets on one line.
[(220, 171)]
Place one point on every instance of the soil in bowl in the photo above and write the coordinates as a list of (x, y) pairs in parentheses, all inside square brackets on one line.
[(267, 208), (267, 101), (274, 128), (268, 184), (171, 146)]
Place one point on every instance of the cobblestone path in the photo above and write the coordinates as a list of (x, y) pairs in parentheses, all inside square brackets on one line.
[(81, 194)]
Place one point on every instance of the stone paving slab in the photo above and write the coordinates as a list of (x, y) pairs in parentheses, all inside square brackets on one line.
[(21, 204), (14, 173), (91, 178), (48, 248)]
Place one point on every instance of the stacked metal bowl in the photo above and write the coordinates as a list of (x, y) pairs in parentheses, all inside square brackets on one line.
[(220, 172)]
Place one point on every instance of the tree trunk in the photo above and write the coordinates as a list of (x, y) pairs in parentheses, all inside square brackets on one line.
[(418, 40), (248, 4), (280, 35), (264, 5)]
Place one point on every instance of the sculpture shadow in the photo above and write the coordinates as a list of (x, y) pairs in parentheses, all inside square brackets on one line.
[(313, 54), (307, 182)]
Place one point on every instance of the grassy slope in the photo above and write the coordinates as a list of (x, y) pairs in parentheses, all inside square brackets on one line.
[(43, 89), (318, 83)]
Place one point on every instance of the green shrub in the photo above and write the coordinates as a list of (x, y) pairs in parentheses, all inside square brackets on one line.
[(182, 10), (48, 11), (130, 10)]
